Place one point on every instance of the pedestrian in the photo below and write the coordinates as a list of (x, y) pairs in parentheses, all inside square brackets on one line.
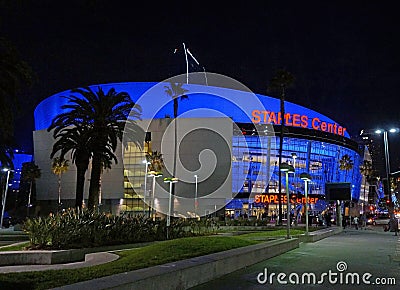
[(394, 225), (344, 222), (363, 222), (355, 221)]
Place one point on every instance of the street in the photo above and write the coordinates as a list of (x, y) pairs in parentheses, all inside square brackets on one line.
[(337, 262)]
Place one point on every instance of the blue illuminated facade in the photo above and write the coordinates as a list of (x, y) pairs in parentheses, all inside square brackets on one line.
[(317, 141)]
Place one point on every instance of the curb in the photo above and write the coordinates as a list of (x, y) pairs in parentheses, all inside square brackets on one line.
[(190, 272)]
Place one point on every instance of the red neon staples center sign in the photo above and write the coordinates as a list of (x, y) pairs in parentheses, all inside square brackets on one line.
[(296, 120)]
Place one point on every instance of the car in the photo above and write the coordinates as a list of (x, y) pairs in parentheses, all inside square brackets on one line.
[(378, 220)]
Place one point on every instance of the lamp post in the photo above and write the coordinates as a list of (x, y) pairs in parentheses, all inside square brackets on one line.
[(287, 168), (387, 160), (306, 178), (195, 196), (294, 156), (145, 185), (153, 174), (5, 196), (169, 180)]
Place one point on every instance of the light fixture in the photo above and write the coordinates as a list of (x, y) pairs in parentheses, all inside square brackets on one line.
[(306, 178)]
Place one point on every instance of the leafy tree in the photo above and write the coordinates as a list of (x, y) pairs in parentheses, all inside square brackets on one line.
[(346, 163), (279, 83), (59, 166), (100, 119), (14, 75), (30, 172)]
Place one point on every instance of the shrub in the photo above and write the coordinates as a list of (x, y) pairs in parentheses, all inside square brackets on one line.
[(85, 228)]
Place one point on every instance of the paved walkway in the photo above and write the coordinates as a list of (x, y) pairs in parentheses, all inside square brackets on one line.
[(92, 259), (359, 251)]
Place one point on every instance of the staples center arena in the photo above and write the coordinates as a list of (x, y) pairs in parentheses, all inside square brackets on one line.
[(228, 157)]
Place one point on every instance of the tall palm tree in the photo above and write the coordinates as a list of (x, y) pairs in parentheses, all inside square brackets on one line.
[(280, 82), (176, 92), (76, 141), (346, 163), (101, 117), (30, 172), (59, 166)]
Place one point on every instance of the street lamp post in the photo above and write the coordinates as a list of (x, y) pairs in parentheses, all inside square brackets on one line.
[(306, 178), (5, 196), (294, 156), (153, 174), (387, 160), (195, 196), (169, 180), (145, 185), (287, 168)]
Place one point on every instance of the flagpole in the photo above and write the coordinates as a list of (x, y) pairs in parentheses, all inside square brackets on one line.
[(187, 64)]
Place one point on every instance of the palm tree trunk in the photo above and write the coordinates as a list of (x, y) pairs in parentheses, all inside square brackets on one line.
[(80, 183), (59, 190), (29, 199), (175, 150), (94, 182)]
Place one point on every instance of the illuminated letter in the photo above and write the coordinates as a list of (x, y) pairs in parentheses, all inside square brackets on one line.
[(296, 120), (257, 199), (265, 116), (323, 126), (272, 118), (287, 119), (315, 126), (330, 127), (340, 130), (334, 128), (304, 121), (256, 118)]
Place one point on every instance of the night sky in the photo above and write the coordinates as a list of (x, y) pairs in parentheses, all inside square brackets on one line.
[(345, 55)]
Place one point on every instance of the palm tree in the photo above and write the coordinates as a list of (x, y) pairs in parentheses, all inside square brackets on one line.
[(176, 92), (101, 118), (346, 163), (76, 141), (59, 166), (280, 82), (14, 75), (366, 170), (30, 172), (156, 161)]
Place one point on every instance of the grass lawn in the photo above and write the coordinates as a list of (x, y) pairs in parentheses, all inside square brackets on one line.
[(19, 247), (151, 255), (268, 234)]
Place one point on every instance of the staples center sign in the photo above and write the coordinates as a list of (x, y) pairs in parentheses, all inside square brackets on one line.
[(296, 120), (274, 199)]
